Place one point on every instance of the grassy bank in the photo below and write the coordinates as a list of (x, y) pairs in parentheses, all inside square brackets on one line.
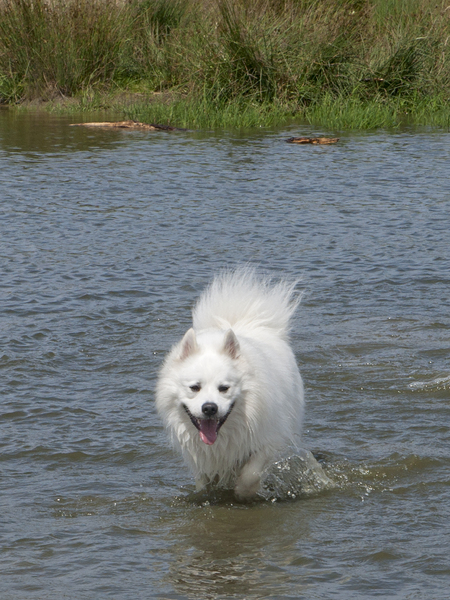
[(219, 63)]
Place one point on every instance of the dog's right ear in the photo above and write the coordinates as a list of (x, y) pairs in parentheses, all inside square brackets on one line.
[(188, 344)]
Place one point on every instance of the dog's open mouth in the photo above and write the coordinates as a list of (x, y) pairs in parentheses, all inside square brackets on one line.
[(208, 428)]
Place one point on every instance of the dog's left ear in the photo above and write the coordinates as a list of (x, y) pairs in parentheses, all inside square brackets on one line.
[(231, 344)]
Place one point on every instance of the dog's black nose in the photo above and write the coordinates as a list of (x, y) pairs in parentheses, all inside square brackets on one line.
[(209, 409)]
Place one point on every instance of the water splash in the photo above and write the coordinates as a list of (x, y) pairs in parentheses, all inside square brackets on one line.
[(435, 385), (297, 476)]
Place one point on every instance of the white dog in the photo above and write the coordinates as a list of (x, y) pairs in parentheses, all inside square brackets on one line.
[(230, 392)]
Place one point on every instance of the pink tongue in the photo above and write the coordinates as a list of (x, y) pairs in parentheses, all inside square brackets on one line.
[(208, 431)]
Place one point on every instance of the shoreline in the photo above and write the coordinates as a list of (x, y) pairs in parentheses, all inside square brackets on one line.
[(182, 112), (353, 64)]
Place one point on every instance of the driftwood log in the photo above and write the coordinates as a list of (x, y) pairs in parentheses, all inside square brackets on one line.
[(312, 140), (135, 125)]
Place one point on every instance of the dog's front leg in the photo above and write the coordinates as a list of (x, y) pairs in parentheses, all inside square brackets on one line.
[(200, 482), (249, 480)]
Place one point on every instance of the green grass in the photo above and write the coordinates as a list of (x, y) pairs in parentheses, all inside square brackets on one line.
[(352, 113), (333, 113), (195, 113), (222, 63)]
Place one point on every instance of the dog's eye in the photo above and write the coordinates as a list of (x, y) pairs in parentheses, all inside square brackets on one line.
[(224, 388), (195, 387)]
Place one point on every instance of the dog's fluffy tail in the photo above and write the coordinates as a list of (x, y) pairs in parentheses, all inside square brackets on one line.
[(243, 301)]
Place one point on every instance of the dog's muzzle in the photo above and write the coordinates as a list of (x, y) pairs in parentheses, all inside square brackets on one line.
[(209, 425)]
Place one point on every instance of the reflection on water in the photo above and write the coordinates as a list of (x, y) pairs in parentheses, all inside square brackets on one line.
[(106, 239), (224, 552), (39, 133)]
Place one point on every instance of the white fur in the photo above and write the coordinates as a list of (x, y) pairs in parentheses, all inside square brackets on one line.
[(239, 341)]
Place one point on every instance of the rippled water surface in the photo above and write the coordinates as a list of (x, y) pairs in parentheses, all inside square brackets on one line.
[(107, 237)]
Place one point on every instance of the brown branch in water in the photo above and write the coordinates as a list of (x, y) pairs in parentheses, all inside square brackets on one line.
[(135, 125), (312, 140)]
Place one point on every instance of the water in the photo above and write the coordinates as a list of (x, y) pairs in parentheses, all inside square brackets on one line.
[(107, 237)]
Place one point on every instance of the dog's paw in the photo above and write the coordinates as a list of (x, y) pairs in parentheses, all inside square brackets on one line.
[(201, 482)]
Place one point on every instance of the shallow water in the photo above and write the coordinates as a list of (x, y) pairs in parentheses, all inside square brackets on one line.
[(107, 237)]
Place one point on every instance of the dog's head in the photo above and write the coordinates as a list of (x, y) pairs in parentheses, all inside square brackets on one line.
[(209, 382)]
